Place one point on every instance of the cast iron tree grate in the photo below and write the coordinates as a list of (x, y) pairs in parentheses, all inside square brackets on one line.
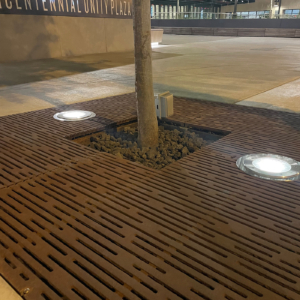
[(89, 226)]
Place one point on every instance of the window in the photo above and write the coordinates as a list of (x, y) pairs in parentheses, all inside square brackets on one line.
[(244, 15), (228, 15), (292, 12), (252, 14), (263, 14)]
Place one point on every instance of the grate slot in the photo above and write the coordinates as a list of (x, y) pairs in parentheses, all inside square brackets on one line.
[(161, 283), (193, 267), (10, 263), (54, 246), (24, 276), (200, 295), (83, 282), (43, 279), (78, 293), (38, 260)]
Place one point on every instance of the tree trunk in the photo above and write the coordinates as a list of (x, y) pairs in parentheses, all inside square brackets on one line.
[(147, 120)]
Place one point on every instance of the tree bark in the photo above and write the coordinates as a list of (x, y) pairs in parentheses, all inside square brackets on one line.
[(147, 120)]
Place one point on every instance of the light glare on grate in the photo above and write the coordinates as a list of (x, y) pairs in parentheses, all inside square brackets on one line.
[(270, 166), (74, 115)]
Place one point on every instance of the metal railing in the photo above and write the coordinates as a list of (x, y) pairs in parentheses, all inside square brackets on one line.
[(189, 15), (210, 16)]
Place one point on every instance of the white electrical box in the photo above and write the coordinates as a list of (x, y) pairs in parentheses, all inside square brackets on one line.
[(164, 105), (166, 100)]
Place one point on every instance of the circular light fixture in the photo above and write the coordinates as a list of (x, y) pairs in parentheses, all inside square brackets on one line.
[(74, 115), (270, 166)]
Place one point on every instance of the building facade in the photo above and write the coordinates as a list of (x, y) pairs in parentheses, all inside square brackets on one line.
[(261, 8), (216, 9), (38, 29)]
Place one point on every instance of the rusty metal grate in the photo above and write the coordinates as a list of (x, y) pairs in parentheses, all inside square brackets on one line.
[(95, 227), (33, 143)]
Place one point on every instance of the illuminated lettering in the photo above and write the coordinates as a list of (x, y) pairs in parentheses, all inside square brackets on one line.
[(61, 5), (44, 8), (8, 6), (106, 3), (129, 12), (112, 6), (27, 4), (86, 6), (92, 5), (52, 5), (17, 4), (67, 5), (121, 8), (73, 6), (101, 8)]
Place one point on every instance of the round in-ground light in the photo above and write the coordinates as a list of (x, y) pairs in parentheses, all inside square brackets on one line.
[(74, 115), (270, 166)]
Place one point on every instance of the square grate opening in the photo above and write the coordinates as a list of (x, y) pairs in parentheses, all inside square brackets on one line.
[(176, 141)]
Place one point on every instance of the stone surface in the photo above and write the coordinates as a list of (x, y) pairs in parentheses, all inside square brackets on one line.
[(285, 97), (156, 35), (172, 145), (76, 37), (37, 37)]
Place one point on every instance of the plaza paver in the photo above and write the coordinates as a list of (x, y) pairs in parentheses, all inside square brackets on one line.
[(251, 71)]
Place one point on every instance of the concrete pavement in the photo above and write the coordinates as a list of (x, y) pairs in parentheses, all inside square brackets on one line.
[(251, 71), (7, 292)]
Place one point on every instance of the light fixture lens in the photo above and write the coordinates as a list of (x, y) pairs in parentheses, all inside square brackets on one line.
[(272, 165), (74, 115)]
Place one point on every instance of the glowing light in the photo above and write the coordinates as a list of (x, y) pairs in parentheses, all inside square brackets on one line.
[(74, 115), (271, 165), (155, 45)]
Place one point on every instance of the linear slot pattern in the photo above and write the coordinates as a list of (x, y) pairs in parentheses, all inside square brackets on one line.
[(80, 224)]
